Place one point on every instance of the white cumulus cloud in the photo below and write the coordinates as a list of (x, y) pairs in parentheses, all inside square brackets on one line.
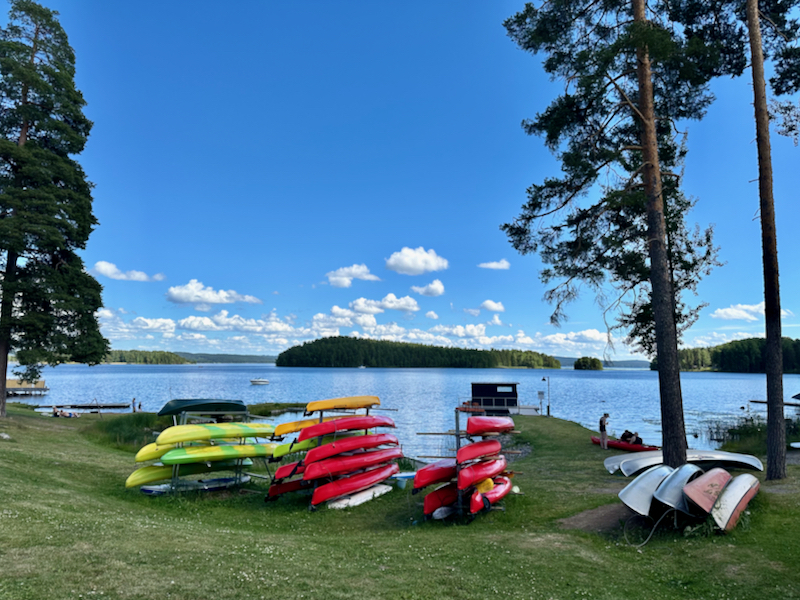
[(204, 297), (110, 270), (500, 265), (416, 262), (433, 289), (473, 311), (493, 306), (431, 315), (343, 278), (745, 312), (390, 302)]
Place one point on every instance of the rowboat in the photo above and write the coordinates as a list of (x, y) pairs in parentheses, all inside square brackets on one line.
[(488, 425), (348, 444), (477, 450), (670, 492), (480, 471), (483, 501), (345, 424), (341, 465), (638, 494), (444, 495), (620, 445), (441, 470), (353, 483), (633, 464), (347, 403), (704, 491), (733, 500)]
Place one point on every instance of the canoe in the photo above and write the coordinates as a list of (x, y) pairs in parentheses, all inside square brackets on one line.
[(149, 474), (444, 495), (192, 485), (638, 494), (704, 491), (441, 470), (612, 462), (347, 403), (670, 492), (353, 483), (484, 425), (346, 444), (295, 426), (477, 450), (620, 445), (341, 465), (190, 433), (288, 470), (479, 471), (637, 462), (194, 454), (345, 424), (733, 500), (361, 497), (483, 501), (292, 447)]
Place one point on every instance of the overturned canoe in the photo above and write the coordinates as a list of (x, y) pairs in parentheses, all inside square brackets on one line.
[(733, 500), (635, 463), (638, 494), (670, 492), (704, 491)]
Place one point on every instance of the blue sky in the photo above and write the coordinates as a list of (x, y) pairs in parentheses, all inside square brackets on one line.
[(268, 173)]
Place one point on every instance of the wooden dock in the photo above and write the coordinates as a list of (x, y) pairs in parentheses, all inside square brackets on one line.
[(15, 387)]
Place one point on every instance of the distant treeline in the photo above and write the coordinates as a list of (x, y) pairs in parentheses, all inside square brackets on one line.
[(145, 357), (741, 356), (353, 352), (226, 358), (587, 363)]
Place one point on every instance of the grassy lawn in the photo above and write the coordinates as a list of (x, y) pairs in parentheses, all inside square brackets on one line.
[(70, 529)]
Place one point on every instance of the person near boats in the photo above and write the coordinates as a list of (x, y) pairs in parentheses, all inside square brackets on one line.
[(603, 432), (627, 436), (636, 439)]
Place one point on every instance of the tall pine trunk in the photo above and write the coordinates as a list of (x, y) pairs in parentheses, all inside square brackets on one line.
[(773, 352), (669, 376), (6, 314)]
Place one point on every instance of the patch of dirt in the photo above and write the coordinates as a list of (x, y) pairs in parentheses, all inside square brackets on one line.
[(603, 519)]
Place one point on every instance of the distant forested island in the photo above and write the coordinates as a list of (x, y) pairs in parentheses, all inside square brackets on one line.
[(226, 358), (160, 357), (740, 356), (353, 352)]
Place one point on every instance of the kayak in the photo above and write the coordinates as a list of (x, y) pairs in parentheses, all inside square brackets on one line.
[(441, 470), (620, 445), (288, 470), (479, 471), (477, 450), (482, 501), (203, 454), (345, 424), (348, 403), (341, 465), (152, 473), (353, 483), (484, 425), (213, 431), (444, 495), (292, 447), (348, 445), (277, 489), (295, 426)]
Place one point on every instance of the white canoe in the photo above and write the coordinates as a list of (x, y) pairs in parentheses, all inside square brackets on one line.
[(670, 492), (612, 462), (638, 494), (632, 465), (733, 500)]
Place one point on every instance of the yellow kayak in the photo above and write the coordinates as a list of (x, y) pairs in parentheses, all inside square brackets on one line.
[(347, 403), (189, 433), (180, 456), (296, 426), (144, 475)]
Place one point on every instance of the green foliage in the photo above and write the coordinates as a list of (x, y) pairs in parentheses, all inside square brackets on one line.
[(588, 363), (145, 357), (226, 358), (353, 352), (129, 431), (269, 409), (740, 356)]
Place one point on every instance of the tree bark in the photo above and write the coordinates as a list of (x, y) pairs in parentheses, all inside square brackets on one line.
[(6, 309), (669, 376), (773, 352)]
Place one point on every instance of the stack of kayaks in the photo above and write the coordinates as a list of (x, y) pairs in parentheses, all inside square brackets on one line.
[(185, 450), (689, 490), (475, 479), (343, 460)]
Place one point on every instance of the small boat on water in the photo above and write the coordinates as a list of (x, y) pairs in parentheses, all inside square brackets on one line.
[(259, 381), (638, 494), (620, 445), (670, 492), (733, 500), (704, 491)]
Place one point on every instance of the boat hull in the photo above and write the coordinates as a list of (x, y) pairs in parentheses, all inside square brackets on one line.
[(631, 465), (483, 501), (441, 470), (182, 456), (670, 492), (364, 442), (352, 484), (638, 494), (444, 495), (734, 500), (489, 425), (704, 491), (345, 424), (477, 450), (620, 445), (479, 471), (346, 403), (341, 465), (191, 433)]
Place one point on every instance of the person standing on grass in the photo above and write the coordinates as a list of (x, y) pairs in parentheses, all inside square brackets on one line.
[(603, 433)]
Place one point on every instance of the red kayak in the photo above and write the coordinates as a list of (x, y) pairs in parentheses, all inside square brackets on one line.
[(477, 450), (353, 483), (345, 424), (441, 470), (441, 496), (479, 502), (277, 489), (479, 471), (340, 465), (287, 470), (484, 425), (348, 445), (620, 445)]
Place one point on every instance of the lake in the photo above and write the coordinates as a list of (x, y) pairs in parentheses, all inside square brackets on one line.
[(424, 399)]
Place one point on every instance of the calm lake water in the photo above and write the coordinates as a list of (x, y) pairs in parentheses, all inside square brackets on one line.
[(424, 399)]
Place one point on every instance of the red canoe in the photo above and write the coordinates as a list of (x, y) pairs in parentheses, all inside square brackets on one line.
[(620, 445), (441, 470), (287, 470), (478, 502), (345, 424), (484, 425), (705, 490), (353, 483), (441, 496), (479, 471), (340, 465), (363, 442), (477, 450)]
